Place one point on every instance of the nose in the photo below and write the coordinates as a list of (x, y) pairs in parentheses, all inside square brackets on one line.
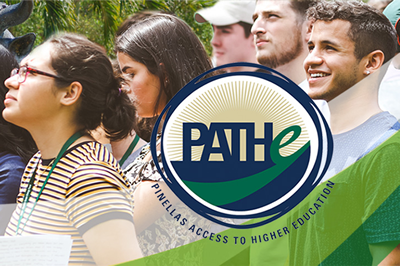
[(216, 40), (12, 82), (258, 27), (313, 59)]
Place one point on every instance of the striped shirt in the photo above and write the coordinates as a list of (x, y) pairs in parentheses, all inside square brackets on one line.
[(86, 188)]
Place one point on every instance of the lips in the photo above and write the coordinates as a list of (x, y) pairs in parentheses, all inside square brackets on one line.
[(218, 54), (315, 77), (260, 42), (9, 98), (315, 74)]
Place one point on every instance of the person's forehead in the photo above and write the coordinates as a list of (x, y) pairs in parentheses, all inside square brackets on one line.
[(234, 28), (39, 57), (273, 6), (336, 29)]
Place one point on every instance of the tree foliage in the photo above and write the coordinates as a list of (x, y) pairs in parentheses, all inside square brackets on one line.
[(99, 20)]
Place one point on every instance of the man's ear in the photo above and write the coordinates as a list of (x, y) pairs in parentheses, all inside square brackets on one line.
[(373, 61), (307, 29), (71, 93)]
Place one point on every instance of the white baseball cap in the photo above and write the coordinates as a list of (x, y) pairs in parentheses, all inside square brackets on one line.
[(227, 12)]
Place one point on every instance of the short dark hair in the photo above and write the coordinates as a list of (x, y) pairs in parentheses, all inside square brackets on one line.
[(370, 30), (300, 7), (169, 49), (14, 139), (246, 27), (75, 58)]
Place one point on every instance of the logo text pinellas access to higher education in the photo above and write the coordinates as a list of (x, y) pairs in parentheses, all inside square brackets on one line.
[(243, 145)]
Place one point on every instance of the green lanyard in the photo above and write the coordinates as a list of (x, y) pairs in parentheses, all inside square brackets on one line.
[(129, 150), (27, 195)]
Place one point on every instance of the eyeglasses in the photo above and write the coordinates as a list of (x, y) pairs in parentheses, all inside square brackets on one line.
[(24, 70)]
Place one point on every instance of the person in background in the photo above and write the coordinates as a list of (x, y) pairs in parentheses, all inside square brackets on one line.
[(157, 57), (389, 90), (359, 223), (281, 33), (61, 91), (144, 124), (232, 40), (16, 148), (366, 41), (127, 149)]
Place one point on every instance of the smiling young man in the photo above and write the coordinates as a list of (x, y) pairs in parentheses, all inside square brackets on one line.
[(232, 40), (347, 50), (358, 222)]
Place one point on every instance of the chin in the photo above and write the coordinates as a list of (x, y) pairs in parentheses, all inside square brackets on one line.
[(315, 95), (220, 63), (11, 119), (7, 115)]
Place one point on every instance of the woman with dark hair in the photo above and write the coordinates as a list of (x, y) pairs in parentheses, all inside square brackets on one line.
[(127, 149), (73, 185), (16, 147), (157, 56)]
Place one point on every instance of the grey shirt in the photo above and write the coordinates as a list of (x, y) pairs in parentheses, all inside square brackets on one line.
[(348, 147)]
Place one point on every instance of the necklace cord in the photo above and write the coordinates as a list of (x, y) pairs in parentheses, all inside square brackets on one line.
[(27, 195), (129, 150)]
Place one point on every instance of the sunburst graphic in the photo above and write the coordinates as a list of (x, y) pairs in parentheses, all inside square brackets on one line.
[(236, 100)]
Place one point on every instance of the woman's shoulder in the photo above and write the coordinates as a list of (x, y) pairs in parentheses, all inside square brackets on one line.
[(10, 160), (92, 161), (91, 158), (144, 170), (90, 152)]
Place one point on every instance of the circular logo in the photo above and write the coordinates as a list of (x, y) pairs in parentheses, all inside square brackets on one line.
[(242, 145)]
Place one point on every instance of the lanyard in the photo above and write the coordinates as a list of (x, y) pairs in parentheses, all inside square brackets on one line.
[(27, 195), (129, 150)]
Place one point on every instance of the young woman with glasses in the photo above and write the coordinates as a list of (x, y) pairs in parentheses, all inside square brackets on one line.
[(157, 56), (73, 186)]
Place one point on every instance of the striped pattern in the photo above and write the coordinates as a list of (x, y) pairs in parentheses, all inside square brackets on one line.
[(86, 188)]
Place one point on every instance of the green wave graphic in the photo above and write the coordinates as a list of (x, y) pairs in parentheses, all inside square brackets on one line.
[(221, 193)]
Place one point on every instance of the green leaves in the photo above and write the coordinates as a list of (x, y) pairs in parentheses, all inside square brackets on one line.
[(56, 15), (99, 19)]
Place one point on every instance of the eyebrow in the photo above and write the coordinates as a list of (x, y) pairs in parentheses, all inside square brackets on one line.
[(28, 65), (224, 27), (27, 61), (265, 13), (325, 42), (125, 69)]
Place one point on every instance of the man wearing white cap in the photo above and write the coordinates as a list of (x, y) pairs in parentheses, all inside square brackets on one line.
[(232, 39)]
